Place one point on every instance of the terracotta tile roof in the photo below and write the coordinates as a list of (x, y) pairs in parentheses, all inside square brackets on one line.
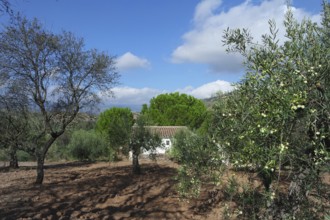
[(166, 131)]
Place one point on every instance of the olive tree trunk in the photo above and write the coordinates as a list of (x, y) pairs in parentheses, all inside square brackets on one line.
[(40, 169), (136, 165), (13, 161), (40, 156)]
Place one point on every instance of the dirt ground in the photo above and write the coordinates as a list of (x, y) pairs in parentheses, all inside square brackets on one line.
[(99, 191)]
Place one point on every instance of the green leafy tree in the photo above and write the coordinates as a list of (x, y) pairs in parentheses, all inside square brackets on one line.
[(116, 124), (58, 75), (176, 109)]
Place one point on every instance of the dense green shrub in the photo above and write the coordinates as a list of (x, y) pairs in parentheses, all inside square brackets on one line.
[(59, 153), (24, 156), (21, 156), (60, 150), (3, 155), (88, 145)]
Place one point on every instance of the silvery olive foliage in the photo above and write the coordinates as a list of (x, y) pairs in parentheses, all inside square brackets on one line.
[(278, 117)]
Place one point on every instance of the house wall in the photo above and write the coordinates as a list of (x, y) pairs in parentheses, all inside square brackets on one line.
[(166, 145)]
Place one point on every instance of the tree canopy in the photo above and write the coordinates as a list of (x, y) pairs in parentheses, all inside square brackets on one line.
[(278, 116), (116, 124), (58, 76), (175, 109), (5, 7), (142, 139), (14, 129)]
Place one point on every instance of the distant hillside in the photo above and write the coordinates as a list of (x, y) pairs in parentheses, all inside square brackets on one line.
[(209, 102), (83, 116), (134, 108), (83, 120)]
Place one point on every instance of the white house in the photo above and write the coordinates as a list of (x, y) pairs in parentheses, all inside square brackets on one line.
[(166, 133)]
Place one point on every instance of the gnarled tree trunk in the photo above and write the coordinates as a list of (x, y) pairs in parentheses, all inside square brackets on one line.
[(40, 156), (13, 161)]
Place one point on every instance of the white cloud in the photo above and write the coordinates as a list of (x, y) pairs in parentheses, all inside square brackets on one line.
[(130, 61), (207, 90), (205, 9), (135, 97), (131, 96), (203, 44)]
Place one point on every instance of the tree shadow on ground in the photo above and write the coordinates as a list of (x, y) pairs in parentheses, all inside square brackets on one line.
[(98, 193), (33, 165), (68, 164)]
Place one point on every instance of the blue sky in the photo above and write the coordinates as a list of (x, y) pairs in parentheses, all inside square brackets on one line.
[(164, 45)]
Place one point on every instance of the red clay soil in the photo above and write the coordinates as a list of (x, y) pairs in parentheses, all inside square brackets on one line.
[(98, 191)]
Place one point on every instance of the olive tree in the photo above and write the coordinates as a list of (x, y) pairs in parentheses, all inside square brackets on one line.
[(142, 139), (14, 122), (58, 75), (198, 155), (278, 116)]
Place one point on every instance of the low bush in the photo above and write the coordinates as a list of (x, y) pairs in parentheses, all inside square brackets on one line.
[(24, 156), (88, 145)]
